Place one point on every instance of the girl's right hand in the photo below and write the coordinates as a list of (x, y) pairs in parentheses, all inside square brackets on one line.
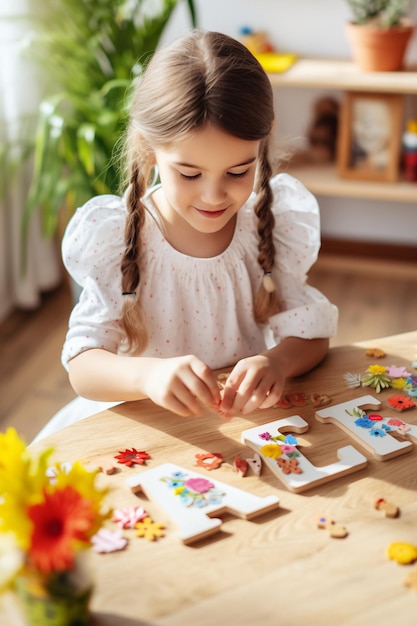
[(182, 385)]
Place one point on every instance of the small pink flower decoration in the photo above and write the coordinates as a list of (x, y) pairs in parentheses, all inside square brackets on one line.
[(106, 541), (395, 422), (265, 436), (287, 448), (199, 485), (397, 372), (129, 516)]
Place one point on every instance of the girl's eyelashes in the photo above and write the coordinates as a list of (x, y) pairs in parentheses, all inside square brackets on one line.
[(188, 177), (237, 174), (231, 174)]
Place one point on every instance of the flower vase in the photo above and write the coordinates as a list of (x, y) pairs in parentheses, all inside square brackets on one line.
[(58, 599)]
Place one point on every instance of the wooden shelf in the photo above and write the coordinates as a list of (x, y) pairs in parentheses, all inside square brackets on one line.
[(324, 180), (344, 74)]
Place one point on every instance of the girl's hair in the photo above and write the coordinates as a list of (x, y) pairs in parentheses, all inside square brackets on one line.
[(203, 77)]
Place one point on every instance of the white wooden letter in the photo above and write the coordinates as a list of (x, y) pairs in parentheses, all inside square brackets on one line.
[(191, 503), (350, 460), (375, 438)]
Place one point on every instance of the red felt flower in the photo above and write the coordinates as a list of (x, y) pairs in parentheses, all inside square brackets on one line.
[(132, 457), (61, 520), (401, 402)]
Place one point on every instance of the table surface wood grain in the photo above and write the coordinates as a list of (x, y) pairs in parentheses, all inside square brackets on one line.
[(279, 568)]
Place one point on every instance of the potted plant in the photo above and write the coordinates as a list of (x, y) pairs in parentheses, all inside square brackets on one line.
[(379, 33), (92, 51)]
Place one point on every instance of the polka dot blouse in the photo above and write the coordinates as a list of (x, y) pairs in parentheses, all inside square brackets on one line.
[(201, 306)]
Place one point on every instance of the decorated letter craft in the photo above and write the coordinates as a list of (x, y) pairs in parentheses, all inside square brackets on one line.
[(192, 500), (372, 431), (286, 462)]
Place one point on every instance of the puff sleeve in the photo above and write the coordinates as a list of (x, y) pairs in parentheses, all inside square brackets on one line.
[(92, 248), (305, 311)]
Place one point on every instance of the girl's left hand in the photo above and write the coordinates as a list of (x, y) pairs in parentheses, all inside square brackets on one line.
[(254, 383)]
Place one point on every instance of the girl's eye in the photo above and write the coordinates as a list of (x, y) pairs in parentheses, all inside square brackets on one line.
[(190, 177), (237, 175)]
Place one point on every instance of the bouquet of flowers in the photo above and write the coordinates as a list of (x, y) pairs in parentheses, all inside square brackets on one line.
[(46, 521)]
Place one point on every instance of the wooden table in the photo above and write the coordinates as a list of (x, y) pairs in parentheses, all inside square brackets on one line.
[(279, 568)]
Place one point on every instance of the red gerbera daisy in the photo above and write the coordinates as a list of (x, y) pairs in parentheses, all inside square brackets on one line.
[(63, 518)]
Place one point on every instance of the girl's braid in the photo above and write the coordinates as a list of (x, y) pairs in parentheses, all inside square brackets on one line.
[(266, 300), (132, 317)]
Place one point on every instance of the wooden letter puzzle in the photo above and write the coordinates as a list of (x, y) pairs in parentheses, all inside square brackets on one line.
[(286, 461), (191, 500)]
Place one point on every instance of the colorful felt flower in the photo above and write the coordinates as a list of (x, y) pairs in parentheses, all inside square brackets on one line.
[(401, 402), (288, 449), (271, 450), (199, 485), (132, 457), (265, 436), (377, 432), (149, 529), (289, 466), (106, 541), (364, 422), (128, 516), (397, 372), (353, 380), (395, 422), (209, 460), (398, 383), (377, 378)]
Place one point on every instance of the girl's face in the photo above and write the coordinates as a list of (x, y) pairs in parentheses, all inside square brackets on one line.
[(206, 178)]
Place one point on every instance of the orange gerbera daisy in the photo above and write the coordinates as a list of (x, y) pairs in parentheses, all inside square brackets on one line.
[(60, 521)]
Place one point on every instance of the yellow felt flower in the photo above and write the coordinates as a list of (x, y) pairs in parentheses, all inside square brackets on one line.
[(376, 369), (398, 383), (271, 450)]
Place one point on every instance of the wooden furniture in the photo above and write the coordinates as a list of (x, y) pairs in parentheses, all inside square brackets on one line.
[(281, 567), (344, 75)]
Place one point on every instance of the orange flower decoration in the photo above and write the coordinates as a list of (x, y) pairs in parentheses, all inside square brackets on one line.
[(401, 402), (132, 457)]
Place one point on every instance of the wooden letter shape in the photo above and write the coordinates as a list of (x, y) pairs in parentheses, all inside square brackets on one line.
[(382, 448), (197, 521), (350, 460)]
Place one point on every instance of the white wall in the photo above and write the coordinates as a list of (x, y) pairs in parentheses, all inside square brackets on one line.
[(310, 28)]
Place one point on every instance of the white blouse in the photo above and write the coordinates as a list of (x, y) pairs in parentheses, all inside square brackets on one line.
[(200, 306)]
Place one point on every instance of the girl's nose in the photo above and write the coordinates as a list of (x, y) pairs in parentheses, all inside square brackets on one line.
[(213, 192)]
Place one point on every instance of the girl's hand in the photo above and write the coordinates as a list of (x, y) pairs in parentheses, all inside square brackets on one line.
[(182, 385), (254, 383)]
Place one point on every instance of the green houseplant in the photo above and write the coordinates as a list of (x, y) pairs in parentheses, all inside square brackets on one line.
[(379, 33), (93, 50)]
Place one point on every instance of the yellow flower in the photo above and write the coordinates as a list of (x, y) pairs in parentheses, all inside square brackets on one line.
[(26, 489), (376, 369), (21, 482), (398, 383), (271, 450), (11, 560)]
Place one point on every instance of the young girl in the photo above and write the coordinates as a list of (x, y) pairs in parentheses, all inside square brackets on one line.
[(207, 269)]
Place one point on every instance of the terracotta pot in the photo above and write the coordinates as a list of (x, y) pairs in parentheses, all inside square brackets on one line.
[(379, 50)]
